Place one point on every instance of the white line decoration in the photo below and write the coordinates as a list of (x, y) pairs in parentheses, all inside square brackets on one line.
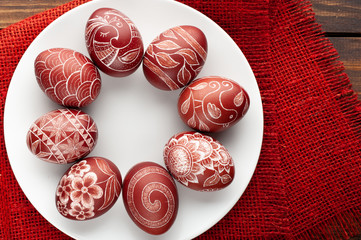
[(67, 77), (198, 161), (212, 104), (113, 42), (175, 57), (62, 136), (88, 189)]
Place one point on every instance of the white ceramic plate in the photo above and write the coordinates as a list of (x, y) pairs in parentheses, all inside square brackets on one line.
[(134, 119)]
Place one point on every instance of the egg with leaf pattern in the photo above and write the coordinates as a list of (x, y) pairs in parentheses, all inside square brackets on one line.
[(213, 104), (175, 57)]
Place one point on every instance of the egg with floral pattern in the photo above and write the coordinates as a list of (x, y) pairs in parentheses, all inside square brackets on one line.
[(67, 77), (88, 189), (213, 104), (114, 43), (150, 197), (199, 161), (62, 136)]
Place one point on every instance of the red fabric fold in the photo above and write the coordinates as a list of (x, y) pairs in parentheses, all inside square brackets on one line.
[(307, 182)]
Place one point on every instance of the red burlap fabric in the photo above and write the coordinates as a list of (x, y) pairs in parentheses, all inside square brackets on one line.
[(307, 184)]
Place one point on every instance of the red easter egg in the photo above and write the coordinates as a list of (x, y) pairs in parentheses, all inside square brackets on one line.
[(212, 104), (199, 161), (67, 77), (113, 42), (62, 136), (150, 197), (88, 189), (175, 57)]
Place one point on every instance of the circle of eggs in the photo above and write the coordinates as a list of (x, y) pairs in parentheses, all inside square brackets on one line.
[(212, 104), (62, 136), (175, 57), (88, 189), (113, 42), (198, 161), (67, 77), (150, 197)]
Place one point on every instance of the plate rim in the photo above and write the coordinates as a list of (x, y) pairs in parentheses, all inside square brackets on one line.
[(94, 2)]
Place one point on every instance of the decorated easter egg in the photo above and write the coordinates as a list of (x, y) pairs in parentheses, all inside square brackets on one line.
[(62, 136), (175, 57), (67, 77), (113, 42), (198, 161), (150, 197), (88, 189), (212, 104)]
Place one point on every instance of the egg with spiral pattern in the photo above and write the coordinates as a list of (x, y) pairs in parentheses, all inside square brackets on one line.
[(150, 197)]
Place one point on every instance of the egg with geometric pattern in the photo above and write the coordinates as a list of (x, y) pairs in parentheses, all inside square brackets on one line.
[(62, 136)]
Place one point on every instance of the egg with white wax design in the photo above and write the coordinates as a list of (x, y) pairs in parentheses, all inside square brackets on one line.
[(150, 197), (67, 77), (213, 104), (88, 189), (62, 136), (198, 161), (114, 42)]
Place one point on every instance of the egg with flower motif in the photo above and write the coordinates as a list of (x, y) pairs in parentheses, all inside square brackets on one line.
[(113, 42), (199, 161), (88, 189), (213, 104), (62, 136), (67, 77), (150, 197), (175, 57)]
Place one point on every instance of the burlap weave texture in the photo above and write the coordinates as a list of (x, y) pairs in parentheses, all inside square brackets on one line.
[(307, 182)]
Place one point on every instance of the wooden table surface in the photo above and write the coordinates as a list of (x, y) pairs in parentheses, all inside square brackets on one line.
[(340, 20)]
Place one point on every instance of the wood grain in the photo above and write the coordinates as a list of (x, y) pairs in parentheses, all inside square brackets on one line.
[(12, 11), (338, 16), (349, 49)]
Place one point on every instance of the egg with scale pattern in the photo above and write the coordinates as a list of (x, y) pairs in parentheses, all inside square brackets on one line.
[(67, 77)]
